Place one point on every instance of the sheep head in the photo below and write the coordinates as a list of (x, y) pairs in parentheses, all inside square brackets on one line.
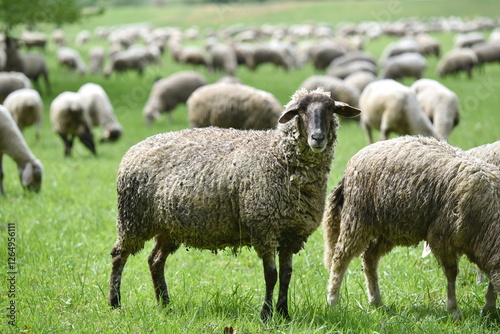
[(316, 110)]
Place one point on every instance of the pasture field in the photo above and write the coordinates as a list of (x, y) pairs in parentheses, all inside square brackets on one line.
[(63, 235)]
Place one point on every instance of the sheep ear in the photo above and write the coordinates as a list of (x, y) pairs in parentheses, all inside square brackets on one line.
[(290, 112), (345, 110), (27, 174)]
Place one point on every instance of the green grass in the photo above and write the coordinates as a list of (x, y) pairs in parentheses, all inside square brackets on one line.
[(64, 234)]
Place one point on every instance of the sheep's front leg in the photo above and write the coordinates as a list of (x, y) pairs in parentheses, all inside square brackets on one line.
[(271, 277), (2, 190), (156, 261), (371, 258), (451, 272), (285, 258), (68, 144)]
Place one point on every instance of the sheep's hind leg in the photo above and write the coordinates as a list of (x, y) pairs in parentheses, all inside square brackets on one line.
[(285, 275), (271, 277), (371, 258), (118, 263), (489, 307), (450, 267), (156, 260)]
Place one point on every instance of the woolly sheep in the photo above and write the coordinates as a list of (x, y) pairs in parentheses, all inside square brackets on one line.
[(125, 60), (390, 106), (223, 58), (11, 81), (324, 52), (263, 54), (360, 79), (13, 144), (441, 195), (440, 104), (487, 152), (343, 70), (487, 52), (101, 111), (168, 92), (339, 90), (193, 55), (96, 59), (26, 108), (34, 39), (408, 64), (71, 59), (399, 47), (469, 39), (428, 45), (213, 188), (457, 60), (69, 117), (233, 106)]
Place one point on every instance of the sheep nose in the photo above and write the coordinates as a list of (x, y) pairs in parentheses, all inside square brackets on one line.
[(319, 137)]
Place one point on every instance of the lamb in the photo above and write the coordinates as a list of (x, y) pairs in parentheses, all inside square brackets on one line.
[(457, 60), (101, 111), (71, 59), (390, 106), (11, 81), (408, 64), (168, 92), (488, 152), (339, 90), (212, 188), (440, 104), (69, 117), (26, 108), (441, 195), (236, 106), (13, 144)]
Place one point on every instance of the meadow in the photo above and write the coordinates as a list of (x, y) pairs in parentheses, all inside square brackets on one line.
[(64, 234)]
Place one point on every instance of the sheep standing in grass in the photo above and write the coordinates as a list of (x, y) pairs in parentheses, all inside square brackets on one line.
[(402, 191), (440, 104), (408, 64), (235, 106), (26, 107), (101, 111), (390, 106), (71, 59), (168, 92), (13, 144), (457, 60), (339, 90), (12, 81), (70, 118), (487, 152), (213, 188)]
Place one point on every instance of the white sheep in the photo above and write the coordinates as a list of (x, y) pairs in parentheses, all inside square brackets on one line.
[(390, 106), (360, 79), (213, 188), (338, 88), (125, 60), (223, 58), (487, 152), (407, 64), (11, 81), (96, 59), (101, 111), (237, 106), (405, 190), (69, 117), (440, 104), (13, 144), (71, 59), (26, 107), (457, 60), (168, 92)]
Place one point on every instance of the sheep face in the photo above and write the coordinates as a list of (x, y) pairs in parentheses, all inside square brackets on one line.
[(315, 112), (31, 176)]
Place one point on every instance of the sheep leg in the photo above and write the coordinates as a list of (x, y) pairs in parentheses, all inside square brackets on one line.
[(285, 276), (271, 277), (118, 263), (451, 272), (68, 144), (491, 300), (2, 190), (371, 258), (87, 139), (156, 260), (368, 132), (384, 128)]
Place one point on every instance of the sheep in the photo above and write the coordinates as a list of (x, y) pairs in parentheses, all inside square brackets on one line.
[(390, 106), (487, 152), (26, 107), (223, 58), (408, 64), (487, 52), (440, 104), (441, 195), (34, 39), (236, 106), (457, 60), (126, 60), (96, 59), (69, 117), (59, 37), (213, 188), (71, 59), (168, 92), (428, 45), (101, 111), (193, 55), (468, 40), (339, 90), (13, 144), (263, 54), (399, 47), (324, 52), (11, 81), (360, 79), (344, 70)]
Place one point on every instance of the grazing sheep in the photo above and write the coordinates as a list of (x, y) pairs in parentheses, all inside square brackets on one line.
[(469, 39), (263, 54), (408, 64), (13, 144), (390, 106), (101, 111), (223, 58), (70, 118), (428, 45), (488, 152), (399, 47), (11, 81), (213, 188), (193, 55), (457, 60), (96, 59), (59, 37), (360, 79), (34, 39), (125, 60), (26, 107), (168, 92), (440, 104), (487, 52), (339, 90), (237, 106), (441, 195), (344, 70), (71, 59), (324, 52)]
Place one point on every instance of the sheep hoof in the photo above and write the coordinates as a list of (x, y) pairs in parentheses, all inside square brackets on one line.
[(456, 314)]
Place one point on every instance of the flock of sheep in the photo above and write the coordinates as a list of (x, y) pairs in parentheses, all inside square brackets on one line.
[(250, 172)]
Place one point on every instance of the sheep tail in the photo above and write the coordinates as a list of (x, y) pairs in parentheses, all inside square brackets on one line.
[(331, 222)]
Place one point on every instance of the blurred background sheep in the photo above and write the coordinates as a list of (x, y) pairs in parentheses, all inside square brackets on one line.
[(26, 107)]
